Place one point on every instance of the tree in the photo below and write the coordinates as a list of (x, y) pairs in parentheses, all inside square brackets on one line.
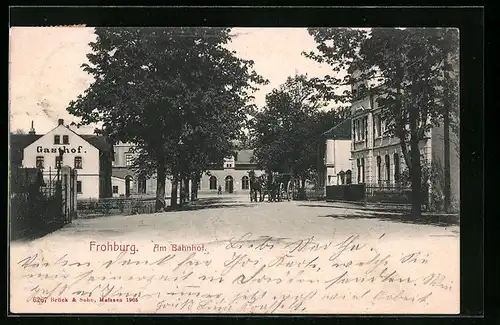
[(411, 68), (288, 130), (161, 87)]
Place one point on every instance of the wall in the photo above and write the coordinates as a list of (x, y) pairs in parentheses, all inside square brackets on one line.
[(121, 149), (370, 156), (115, 181), (90, 187), (88, 175), (342, 155), (338, 154)]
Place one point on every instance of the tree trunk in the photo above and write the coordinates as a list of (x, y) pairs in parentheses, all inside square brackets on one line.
[(446, 126), (173, 193), (416, 171), (187, 196), (194, 189), (160, 187), (182, 197)]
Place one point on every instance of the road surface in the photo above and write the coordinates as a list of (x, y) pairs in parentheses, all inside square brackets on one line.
[(388, 265)]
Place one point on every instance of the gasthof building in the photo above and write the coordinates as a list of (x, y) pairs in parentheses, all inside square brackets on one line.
[(90, 155)]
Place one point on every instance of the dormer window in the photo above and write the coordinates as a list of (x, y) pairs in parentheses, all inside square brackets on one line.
[(57, 139)]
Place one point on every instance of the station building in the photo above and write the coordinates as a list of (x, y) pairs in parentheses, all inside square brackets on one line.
[(231, 175)]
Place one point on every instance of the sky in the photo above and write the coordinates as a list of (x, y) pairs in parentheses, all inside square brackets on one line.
[(45, 68)]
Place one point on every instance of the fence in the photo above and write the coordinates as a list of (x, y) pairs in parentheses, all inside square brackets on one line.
[(114, 206), (374, 193), (393, 194), (37, 205), (350, 192), (315, 193)]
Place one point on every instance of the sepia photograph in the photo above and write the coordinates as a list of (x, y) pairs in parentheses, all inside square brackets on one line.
[(242, 170)]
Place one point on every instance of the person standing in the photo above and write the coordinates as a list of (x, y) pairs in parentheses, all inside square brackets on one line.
[(219, 191)]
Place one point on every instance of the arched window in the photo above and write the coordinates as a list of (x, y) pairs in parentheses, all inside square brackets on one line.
[(213, 182), (397, 167), (387, 170), (362, 170), (379, 170), (341, 176), (348, 177), (245, 184), (229, 184), (358, 164)]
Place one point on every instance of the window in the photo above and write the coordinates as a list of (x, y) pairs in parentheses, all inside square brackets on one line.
[(129, 159), (59, 161), (341, 178), (57, 139), (348, 177), (245, 183), (362, 170), (213, 182), (65, 139), (377, 125), (79, 187), (358, 164), (78, 163), (39, 162), (360, 129), (397, 166), (387, 169), (379, 169), (115, 189)]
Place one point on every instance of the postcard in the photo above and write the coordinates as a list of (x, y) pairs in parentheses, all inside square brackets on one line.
[(195, 170)]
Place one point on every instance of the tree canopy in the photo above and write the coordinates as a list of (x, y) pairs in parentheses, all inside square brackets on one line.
[(415, 70), (288, 130), (177, 93)]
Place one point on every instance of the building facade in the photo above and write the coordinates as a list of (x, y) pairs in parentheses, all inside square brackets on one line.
[(231, 176), (336, 153), (377, 160), (90, 155), (125, 181)]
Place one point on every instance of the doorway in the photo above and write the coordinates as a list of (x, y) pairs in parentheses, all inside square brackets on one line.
[(229, 184), (128, 180)]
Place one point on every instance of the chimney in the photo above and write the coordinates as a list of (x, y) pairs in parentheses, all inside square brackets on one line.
[(60, 121), (32, 130)]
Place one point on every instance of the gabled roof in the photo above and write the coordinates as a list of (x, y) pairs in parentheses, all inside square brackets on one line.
[(99, 141), (20, 141), (17, 144), (341, 131)]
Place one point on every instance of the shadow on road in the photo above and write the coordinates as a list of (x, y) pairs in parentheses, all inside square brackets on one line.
[(440, 221), (213, 203)]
